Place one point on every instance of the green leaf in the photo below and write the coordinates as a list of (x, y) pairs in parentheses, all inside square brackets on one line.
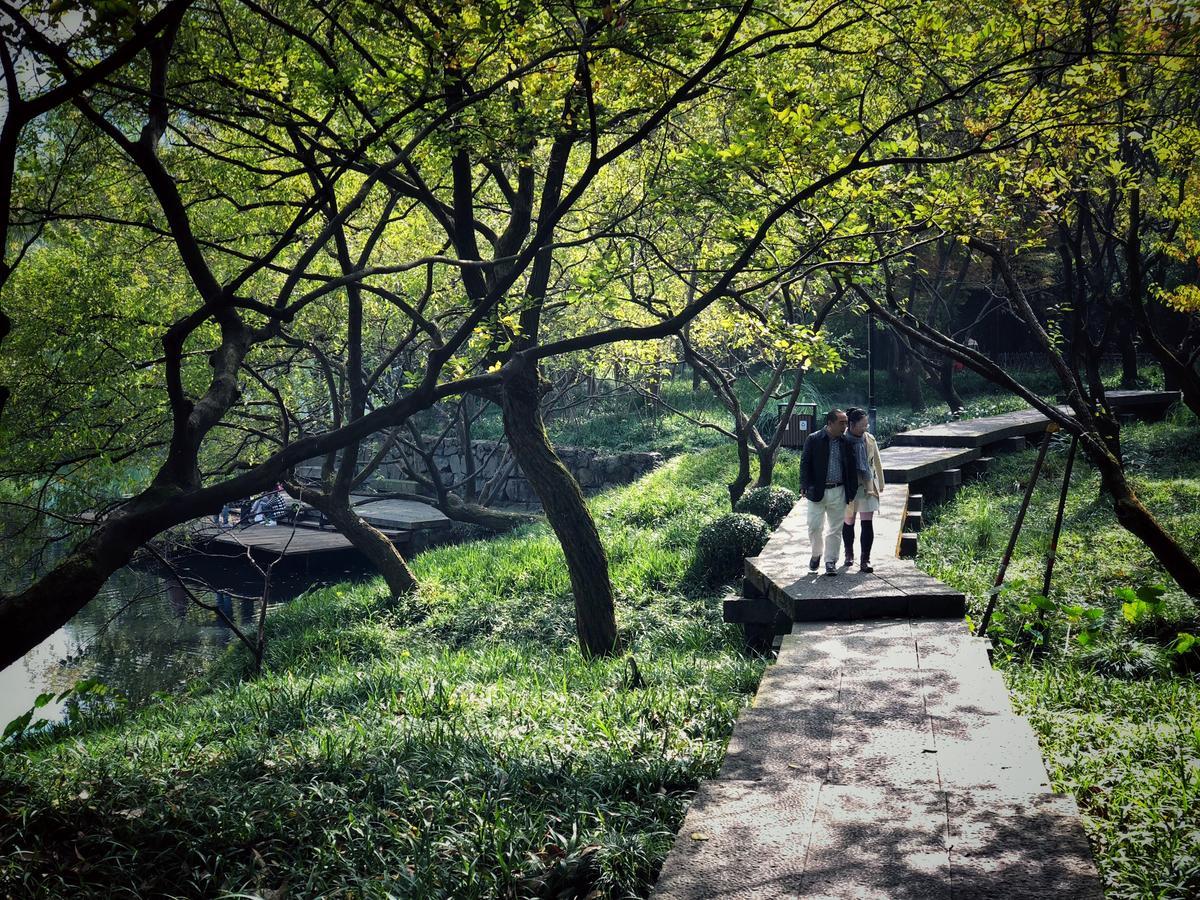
[(1043, 603), (17, 725), (1150, 593)]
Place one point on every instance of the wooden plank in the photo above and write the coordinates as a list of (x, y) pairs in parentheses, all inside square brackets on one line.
[(282, 539), (1121, 401), (400, 514), (903, 465), (992, 429), (973, 432)]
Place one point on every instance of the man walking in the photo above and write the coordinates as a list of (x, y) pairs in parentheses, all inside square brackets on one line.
[(826, 465)]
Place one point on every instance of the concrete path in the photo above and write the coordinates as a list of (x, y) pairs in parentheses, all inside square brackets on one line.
[(881, 757), (881, 760)]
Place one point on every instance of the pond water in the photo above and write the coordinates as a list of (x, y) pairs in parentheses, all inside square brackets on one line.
[(143, 634)]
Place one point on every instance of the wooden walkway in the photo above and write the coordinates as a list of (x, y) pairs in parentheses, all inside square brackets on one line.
[(881, 760), (400, 520), (896, 587), (881, 757), (399, 514), (974, 433), (905, 465)]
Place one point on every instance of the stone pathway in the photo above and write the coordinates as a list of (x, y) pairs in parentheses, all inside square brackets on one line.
[(881, 757), (896, 588)]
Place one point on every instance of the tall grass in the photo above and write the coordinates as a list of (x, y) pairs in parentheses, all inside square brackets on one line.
[(454, 744)]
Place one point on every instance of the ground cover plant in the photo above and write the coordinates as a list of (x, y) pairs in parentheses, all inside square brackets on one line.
[(453, 743), (1105, 666)]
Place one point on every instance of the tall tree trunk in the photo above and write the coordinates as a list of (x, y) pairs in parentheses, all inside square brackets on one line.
[(470, 490), (562, 499), (1180, 377), (738, 486), (946, 386), (766, 463), (910, 380), (1176, 369), (365, 538)]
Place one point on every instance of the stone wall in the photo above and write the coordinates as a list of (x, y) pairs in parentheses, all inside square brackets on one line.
[(594, 469)]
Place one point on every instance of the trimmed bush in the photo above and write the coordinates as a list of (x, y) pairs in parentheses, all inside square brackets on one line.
[(725, 543), (769, 503)]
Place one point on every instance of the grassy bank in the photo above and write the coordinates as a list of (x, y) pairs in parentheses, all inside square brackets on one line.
[(453, 744), (1117, 711)]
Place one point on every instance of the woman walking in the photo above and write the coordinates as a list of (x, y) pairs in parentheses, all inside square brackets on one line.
[(865, 503)]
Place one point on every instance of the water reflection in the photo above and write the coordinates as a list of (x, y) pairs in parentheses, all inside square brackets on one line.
[(143, 633)]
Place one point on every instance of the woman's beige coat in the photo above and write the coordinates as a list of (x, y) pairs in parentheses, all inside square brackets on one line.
[(875, 463)]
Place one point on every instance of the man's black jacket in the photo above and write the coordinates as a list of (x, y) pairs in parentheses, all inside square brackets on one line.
[(814, 466)]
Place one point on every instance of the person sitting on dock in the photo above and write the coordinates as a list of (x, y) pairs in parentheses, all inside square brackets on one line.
[(826, 463), (268, 507), (865, 503)]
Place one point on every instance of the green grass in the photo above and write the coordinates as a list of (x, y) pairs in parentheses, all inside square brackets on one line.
[(454, 744), (1118, 719)]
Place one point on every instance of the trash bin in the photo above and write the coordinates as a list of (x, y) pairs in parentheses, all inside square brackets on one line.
[(799, 425)]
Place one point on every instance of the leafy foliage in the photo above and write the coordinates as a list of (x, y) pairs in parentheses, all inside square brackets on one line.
[(769, 503), (723, 545)]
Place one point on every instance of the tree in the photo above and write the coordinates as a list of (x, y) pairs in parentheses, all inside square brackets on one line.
[(1088, 421), (437, 133), (58, 72)]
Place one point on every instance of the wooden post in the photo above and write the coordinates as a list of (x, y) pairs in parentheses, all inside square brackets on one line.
[(1058, 520), (1016, 530)]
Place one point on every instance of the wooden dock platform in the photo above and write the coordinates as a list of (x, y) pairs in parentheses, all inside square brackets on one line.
[(973, 433), (280, 540), (896, 587), (992, 430), (407, 515)]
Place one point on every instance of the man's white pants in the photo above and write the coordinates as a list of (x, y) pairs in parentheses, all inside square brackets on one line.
[(825, 518)]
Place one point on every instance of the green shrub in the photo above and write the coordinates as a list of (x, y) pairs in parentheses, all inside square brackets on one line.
[(770, 503), (725, 543)]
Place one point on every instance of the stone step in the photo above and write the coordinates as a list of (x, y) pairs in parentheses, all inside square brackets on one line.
[(804, 839), (874, 607), (740, 610)]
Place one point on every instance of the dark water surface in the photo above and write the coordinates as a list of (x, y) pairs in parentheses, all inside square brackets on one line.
[(143, 634)]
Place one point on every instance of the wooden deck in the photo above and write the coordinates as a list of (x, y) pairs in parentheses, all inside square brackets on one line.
[(280, 540), (1145, 402), (398, 514), (896, 587), (994, 429), (904, 465), (973, 433)]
